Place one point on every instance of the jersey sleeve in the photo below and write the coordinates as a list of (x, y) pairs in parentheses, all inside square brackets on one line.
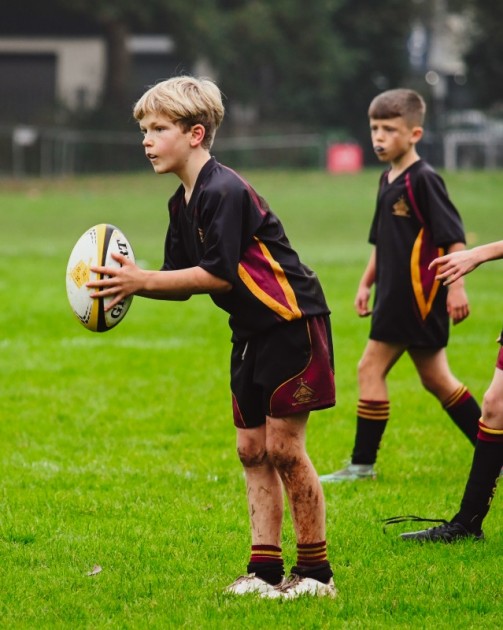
[(441, 215), (229, 217)]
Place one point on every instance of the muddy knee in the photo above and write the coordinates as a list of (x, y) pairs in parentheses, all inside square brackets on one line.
[(285, 463), (252, 457)]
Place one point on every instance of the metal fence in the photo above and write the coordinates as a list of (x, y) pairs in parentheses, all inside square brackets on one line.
[(50, 152), (47, 152), (473, 149), (32, 151)]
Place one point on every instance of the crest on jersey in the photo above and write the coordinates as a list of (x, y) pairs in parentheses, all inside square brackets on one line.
[(400, 208)]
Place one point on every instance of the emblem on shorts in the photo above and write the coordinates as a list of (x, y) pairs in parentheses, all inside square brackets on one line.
[(401, 209), (304, 394)]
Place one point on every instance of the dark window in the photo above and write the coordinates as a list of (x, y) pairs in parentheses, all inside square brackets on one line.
[(28, 87)]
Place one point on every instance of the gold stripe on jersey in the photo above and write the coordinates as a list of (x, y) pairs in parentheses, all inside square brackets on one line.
[(424, 302), (289, 312)]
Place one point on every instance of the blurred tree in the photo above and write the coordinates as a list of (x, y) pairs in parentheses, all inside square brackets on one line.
[(184, 22), (375, 34), (283, 63), (281, 59), (310, 64), (484, 58), (287, 62)]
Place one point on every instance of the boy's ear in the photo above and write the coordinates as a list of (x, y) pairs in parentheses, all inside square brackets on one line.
[(198, 133), (417, 134)]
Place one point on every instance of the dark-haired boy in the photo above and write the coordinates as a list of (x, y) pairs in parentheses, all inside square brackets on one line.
[(414, 222)]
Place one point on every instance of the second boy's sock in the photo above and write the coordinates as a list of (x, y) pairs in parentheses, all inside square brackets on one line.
[(484, 474), (372, 418), (464, 411)]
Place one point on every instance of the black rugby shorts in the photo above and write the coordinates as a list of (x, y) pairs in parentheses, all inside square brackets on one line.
[(286, 370)]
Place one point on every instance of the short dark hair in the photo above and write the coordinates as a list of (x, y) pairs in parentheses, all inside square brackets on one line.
[(401, 102)]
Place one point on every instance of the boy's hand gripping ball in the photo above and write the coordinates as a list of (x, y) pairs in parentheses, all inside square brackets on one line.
[(95, 248)]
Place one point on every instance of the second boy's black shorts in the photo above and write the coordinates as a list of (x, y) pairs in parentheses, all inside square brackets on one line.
[(286, 370)]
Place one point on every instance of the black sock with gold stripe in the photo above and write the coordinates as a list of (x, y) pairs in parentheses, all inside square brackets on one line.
[(485, 471), (267, 564), (464, 412), (312, 562), (371, 421)]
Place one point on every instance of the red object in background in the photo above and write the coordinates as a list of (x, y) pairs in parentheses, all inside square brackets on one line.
[(344, 158)]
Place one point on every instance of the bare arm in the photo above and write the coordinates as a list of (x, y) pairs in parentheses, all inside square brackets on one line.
[(366, 283), (178, 284), (456, 264)]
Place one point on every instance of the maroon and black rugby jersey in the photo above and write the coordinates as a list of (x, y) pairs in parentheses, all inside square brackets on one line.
[(229, 230), (414, 222)]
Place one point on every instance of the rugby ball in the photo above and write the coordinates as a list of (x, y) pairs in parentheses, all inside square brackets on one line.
[(95, 248)]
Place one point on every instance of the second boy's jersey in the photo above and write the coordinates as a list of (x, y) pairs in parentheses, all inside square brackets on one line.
[(229, 231), (414, 222)]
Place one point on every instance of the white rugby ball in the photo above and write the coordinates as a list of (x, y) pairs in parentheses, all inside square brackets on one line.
[(95, 248)]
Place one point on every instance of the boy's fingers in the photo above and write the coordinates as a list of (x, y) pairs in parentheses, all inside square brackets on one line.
[(105, 271)]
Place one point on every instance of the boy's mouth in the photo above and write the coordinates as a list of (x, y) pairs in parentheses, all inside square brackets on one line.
[(378, 149)]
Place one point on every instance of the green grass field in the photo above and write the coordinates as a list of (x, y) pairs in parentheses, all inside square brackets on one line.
[(118, 449)]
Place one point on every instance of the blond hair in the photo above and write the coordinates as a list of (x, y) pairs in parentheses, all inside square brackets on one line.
[(401, 102), (187, 101)]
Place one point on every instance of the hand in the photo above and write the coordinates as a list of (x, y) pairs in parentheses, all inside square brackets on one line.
[(117, 282), (457, 304), (452, 266), (361, 301)]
